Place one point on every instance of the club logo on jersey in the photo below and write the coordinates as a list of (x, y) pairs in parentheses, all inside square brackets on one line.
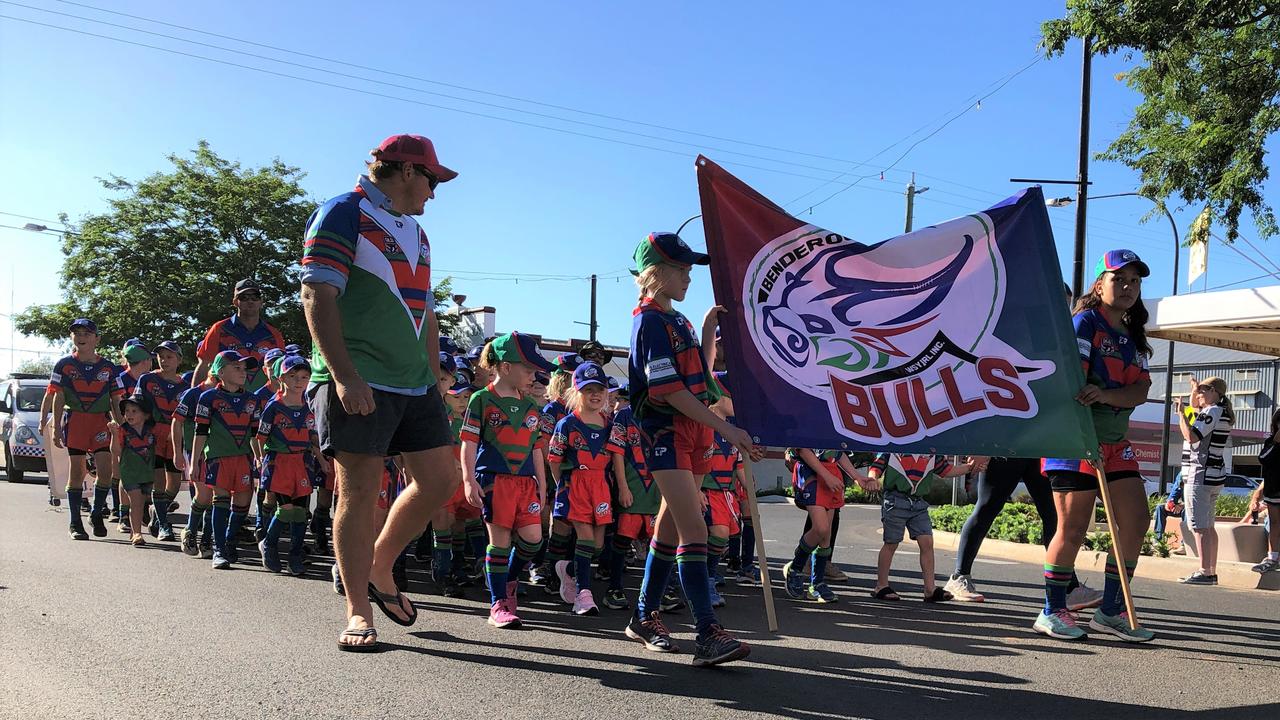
[(530, 421), (602, 509), (100, 437), (897, 338), (535, 508), (104, 376)]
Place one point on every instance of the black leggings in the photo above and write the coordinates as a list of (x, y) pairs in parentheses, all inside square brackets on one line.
[(994, 489)]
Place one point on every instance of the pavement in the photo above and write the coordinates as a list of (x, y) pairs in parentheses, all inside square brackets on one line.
[(102, 629)]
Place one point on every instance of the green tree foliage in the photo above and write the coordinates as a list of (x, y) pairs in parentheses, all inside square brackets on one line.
[(162, 261), (1209, 74), (35, 366)]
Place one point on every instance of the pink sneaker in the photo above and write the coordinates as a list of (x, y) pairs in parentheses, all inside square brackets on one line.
[(501, 617), (584, 604), (512, 587), (568, 586)]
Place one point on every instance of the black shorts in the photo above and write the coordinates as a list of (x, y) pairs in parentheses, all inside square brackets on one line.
[(1069, 481), (165, 464), (398, 424), (1271, 488)]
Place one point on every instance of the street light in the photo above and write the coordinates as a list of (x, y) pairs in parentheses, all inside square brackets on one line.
[(1168, 375)]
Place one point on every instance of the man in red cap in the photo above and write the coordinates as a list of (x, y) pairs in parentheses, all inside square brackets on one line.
[(366, 292)]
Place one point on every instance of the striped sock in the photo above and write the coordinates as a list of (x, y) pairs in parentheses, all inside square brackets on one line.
[(1056, 580), (692, 563), (657, 573), (525, 553), (441, 554), (100, 493), (618, 561), (558, 547), (803, 552), (195, 518), (496, 560), (1112, 596), (821, 556), (716, 547), (583, 551), (73, 506), (477, 536), (748, 542)]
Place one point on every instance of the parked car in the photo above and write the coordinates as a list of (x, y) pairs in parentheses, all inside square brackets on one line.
[(21, 447), (1235, 485)]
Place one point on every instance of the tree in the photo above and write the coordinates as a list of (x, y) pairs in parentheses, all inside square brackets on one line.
[(162, 262), (35, 366), (1209, 74)]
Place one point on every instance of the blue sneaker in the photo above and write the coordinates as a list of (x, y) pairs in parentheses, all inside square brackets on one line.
[(220, 562), (1060, 624), (270, 556), (821, 593), (794, 582), (716, 600), (718, 579), (1118, 625), (748, 575)]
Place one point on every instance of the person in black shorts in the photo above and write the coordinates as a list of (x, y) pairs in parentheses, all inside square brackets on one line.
[(1269, 496)]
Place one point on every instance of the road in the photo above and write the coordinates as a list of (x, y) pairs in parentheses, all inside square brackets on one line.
[(101, 629)]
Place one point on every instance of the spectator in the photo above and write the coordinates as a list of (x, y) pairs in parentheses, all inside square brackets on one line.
[(1205, 438)]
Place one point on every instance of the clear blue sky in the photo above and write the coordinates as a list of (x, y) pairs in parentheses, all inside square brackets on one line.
[(842, 80)]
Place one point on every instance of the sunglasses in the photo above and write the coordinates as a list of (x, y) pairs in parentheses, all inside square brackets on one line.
[(432, 180), (249, 296), (1206, 388)]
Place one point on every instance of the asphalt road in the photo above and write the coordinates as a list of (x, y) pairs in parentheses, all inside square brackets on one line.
[(101, 629)]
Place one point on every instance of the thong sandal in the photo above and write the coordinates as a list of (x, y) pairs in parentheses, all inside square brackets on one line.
[(886, 593), (382, 599), (363, 634), (939, 595)]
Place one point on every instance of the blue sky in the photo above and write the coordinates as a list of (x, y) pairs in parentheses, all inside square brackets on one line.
[(840, 80)]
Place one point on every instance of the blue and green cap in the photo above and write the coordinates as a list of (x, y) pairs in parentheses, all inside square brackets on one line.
[(1113, 260), (665, 247), (519, 348)]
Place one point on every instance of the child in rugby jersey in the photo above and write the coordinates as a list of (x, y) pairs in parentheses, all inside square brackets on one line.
[(197, 536), (560, 542), (638, 498), (448, 577), (286, 435), (905, 480), (670, 394), (162, 389), (265, 500), (503, 467), (818, 479), (137, 359), (722, 511), (226, 420), (133, 450), (580, 453)]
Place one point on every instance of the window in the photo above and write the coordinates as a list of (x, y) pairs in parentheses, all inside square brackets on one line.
[(1245, 401), (1182, 378), (1246, 374)]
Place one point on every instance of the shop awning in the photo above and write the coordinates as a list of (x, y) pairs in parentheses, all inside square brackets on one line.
[(1247, 320)]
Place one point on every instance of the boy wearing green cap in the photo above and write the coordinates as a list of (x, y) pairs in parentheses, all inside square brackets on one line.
[(137, 361), (133, 449)]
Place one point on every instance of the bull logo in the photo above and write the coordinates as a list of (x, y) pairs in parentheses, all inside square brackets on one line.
[(898, 338)]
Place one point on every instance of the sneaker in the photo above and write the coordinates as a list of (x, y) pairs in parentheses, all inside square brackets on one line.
[(99, 527), (568, 586), (113, 517), (259, 534), (77, 532), (550, 583), (137, 540), (537, 575), (1118, 625), (671, 601), (513, 595), (795, 582), (718, 579), (585, 604), (602, 574), (1267, 565), (616, 600), (166, 535), (717, 601), (1060, 624), (718, 646), (124, 527), (733, 565), (748, 575), (337, 581), (231, 553), (153, 527), (450, 589), (206, 550), (220, 562), (296, 567), (173, 506), (652, 633), (962, 589), (834, 574), (189, 543), (1199, 577), (270, 556), (1083, 598), (501, 617), (821, 593)]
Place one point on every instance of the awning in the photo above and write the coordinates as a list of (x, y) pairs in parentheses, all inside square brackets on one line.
[(1247, 320)]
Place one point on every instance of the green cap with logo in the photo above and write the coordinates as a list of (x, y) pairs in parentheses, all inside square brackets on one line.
[(665, 247), (519, 348)]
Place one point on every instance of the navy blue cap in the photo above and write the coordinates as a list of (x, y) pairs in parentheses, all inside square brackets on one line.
[(665, 247), (475, 352), (293, 362), (448, 345), (269, 356), (460, 386), (567, 362), (624, 391), (85, 323), (292, 349), (589, 373), (171, 346), (541, 377), (143, 403), (447, 363)]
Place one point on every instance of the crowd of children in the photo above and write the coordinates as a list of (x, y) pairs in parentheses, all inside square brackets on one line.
[(564, 472)]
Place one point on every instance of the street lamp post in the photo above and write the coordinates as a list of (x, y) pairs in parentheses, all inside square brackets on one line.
[(1168, 375)]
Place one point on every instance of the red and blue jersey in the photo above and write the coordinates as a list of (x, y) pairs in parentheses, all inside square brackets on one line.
[(163, 394), (231, 334), (581, 448), (286, 429), (665, 358), (125, 384), (85, 387), (1111, 360), (552, 413), (725, 460), (802, 474)]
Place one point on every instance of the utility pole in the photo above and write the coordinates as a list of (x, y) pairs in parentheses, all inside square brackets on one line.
[(593, 307), (912, 192), (1082, 177)]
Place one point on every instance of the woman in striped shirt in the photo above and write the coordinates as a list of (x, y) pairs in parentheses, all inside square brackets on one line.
[(1205, 432)]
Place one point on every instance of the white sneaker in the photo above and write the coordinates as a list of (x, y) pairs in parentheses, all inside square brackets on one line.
[(568, 586), (584, 604), (1083, 597), (961, 587)]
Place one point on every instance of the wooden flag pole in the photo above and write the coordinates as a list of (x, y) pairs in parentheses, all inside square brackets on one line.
[(1115, 545), (762, 559)]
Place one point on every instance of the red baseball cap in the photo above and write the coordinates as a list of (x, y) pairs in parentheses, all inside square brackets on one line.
[(414, 149)]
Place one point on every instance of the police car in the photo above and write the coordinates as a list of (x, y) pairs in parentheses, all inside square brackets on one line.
[(21, 447)]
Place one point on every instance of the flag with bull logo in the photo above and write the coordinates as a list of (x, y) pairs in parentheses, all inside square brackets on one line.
[(952, 339)]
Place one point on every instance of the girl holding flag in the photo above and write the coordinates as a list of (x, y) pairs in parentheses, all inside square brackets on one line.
[(1109, 322)]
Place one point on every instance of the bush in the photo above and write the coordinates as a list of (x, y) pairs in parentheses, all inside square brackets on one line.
[(1232, 506), (855, 495), (950, 518)]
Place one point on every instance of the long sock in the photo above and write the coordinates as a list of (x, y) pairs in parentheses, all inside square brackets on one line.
[(460, 548), (195, 520), (221, 520), (233, 527), (657, 573), (1075, 582), (618, 561), (160, 508), (734, 550), (477, 537), (716, 547), (803, 552), (558, 547), (114, 489), (260, 517), (495, 567), (209, 529), (73, 499), (604, 553), (275, 528), (100, 493), (124, 515), (441, 554), (1112, 597), (1056, 580), (748, 542), (692, 562), (191, 491), (821, 556), (524, 554), (297, 533), (583, 551)]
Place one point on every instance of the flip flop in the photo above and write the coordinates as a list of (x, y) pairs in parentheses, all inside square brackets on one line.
[(381, 599), (886, 593), (939, 595), (363, 634)]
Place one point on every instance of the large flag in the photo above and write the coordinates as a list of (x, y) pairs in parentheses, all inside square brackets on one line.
[(952, 339)]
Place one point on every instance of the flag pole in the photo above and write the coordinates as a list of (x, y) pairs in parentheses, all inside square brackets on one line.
[(762, 559), (1123, 569)]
